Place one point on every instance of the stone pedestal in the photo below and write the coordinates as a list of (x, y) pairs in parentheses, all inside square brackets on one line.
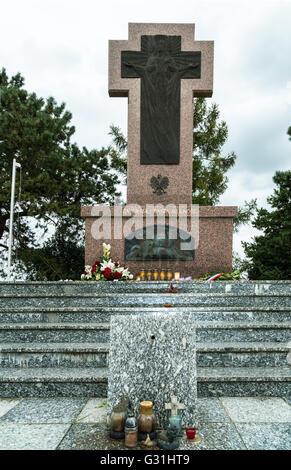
[(153, 357), (213, 253)]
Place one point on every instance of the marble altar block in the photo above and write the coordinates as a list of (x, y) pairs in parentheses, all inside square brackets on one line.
[(153, 357)]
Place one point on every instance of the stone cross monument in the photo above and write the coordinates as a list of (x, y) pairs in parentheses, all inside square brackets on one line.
[(160, 68)]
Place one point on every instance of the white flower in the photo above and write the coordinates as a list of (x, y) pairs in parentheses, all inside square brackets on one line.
[(83, 277), (126, 274), (88, 276), (88, 268), (119, 269), (106, 251), (130, 276), (107, 264)]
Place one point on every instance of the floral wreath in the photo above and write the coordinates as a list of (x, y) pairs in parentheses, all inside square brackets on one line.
[(105, 269)]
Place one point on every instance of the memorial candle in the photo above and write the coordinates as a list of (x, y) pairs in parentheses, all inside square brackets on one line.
[(190, 433)]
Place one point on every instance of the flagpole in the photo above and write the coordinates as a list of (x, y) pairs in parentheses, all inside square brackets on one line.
[(10, 243)]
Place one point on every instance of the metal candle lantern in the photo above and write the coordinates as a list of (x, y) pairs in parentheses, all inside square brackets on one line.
[(130, 428)]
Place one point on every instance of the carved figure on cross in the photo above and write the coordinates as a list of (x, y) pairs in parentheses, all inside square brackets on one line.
[(160, 65)]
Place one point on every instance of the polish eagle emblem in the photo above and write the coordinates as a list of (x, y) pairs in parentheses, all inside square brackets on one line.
[(159, 184)]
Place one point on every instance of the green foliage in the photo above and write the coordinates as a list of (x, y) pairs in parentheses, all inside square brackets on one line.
[(233, 276), (268, 255), (245, 213), (237, 262), (59, 258), (209, 166), (57, 177), (118, 151)]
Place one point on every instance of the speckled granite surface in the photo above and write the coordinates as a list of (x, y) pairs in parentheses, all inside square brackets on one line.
[(144, 300), (54, 336), (70, 287), (154, 358), (76, 424)]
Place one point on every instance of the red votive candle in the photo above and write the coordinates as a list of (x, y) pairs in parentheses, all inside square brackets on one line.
[(190, 433)]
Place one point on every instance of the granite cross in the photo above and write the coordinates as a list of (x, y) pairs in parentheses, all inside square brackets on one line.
[(160, 68), (174, 406), (160, 65)]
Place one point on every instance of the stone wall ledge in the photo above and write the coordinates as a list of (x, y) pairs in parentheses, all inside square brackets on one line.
[(204, 211), (145, 284)]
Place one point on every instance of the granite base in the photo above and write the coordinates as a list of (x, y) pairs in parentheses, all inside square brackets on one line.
[(213, 253)]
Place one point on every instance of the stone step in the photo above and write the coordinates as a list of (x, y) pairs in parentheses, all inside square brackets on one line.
[(40, 355), (102, 314), (73, 355), (240, 354), (54, 332), (145, 300), (244, 381), (53, 382), (70, 287), (100, 332), (243, 331)]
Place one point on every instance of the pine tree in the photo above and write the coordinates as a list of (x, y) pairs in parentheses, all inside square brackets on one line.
[(209, 166), (268, 255), (57, 176)]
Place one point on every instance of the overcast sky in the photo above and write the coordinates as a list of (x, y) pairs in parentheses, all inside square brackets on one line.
[(61, 48)]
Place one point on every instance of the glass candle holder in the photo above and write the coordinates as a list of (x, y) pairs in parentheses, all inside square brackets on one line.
[(117, 421), (177, 276), (130, 429), (177, 422), (190, 433), (130, 436), (156, 275), (149, 275), (146, 418), (142, 275), (169, 275), (162, 275)]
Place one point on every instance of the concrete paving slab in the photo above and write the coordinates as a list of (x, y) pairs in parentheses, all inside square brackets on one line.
[(265, 436), (93, 412), (88, 436), (6, 404), (257, 410), (15, 436), (45, 411), (210, 409)]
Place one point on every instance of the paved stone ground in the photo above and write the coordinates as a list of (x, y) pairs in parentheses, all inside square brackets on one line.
[(77, 423)]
